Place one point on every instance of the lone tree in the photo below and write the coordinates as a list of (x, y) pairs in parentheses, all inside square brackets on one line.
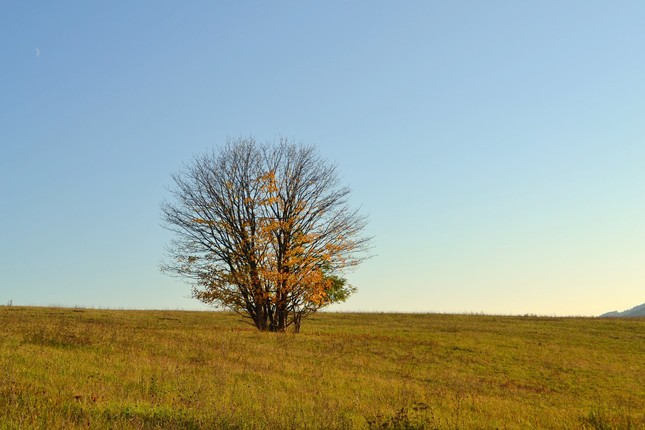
[(264, 230)]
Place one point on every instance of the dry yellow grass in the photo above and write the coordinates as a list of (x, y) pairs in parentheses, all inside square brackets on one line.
[(87, 368)]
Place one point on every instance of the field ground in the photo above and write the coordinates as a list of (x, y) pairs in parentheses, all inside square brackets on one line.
[(90, 368)]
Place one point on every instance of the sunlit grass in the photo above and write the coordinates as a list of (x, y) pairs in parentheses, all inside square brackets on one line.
[(86, 368)]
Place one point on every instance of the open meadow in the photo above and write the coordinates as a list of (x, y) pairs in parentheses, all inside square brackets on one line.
[(90, 368)]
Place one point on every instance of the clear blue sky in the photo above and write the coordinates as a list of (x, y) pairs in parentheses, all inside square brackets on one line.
[(498, 147)]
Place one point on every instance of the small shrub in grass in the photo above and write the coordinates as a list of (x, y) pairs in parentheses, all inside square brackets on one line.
[(406, 418)]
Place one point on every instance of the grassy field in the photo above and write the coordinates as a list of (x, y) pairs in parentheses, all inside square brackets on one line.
[(87, 368)]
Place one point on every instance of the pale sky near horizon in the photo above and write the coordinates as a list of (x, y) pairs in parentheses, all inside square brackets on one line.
[(498, 147)]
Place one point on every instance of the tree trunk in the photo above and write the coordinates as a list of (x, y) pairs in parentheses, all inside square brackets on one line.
[(282, 317), (297, 320), (260, 317)]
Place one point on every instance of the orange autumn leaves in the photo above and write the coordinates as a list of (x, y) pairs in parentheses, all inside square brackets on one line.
[(285, 261)]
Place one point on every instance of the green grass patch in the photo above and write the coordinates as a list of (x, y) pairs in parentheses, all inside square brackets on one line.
[(88, 368)]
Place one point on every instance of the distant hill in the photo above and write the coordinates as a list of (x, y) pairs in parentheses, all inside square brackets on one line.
[(637, 311)]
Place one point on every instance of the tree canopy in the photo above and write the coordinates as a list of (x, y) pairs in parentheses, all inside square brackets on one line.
[(265, 230)]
